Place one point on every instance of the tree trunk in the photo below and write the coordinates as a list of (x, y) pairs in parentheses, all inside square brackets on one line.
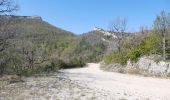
[(164, 48), (119, 45), (32, 59)]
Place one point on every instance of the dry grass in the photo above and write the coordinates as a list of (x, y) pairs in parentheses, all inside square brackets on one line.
[(133, 71)]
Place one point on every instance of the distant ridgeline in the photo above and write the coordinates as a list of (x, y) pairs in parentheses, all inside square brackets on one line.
[(106, 33), (21, 17)]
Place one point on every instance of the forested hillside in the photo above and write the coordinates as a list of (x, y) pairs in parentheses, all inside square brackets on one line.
[(30, 43), (94, 45)]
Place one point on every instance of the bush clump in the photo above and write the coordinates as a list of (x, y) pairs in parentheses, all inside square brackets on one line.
[(148, 46), (117, 57), (134, 54)]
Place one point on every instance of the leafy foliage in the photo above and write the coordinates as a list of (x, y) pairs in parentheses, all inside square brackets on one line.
[(90, 47), (117, 57), (149, 45), (36, 46), (134, 54)]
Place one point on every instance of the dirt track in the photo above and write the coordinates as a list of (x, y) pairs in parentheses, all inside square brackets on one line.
[(120, 85), (89, 83)]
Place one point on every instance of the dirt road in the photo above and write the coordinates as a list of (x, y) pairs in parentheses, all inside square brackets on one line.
[(89, 83), (120, 86)]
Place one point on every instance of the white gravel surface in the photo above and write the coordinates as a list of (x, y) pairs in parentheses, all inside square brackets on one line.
[(89, 83), (119, 86)]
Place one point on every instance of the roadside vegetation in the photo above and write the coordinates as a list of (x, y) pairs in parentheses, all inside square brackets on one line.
[(33, 46), (152, 42)]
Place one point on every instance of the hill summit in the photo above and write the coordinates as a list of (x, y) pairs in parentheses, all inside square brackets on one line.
[(106, 33), (21, 17)]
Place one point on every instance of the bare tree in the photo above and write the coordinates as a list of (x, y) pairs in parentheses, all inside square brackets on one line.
[(6, 7), (118, 26), (29, 53), (144, 29), (161, 24)]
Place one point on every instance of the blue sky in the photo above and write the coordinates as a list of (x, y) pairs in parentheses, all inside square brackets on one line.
[(80, 16)]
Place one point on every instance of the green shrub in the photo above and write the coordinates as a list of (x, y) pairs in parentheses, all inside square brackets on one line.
[(168, 75), (157, 60), (151, 44), (116, 57), (122, 57), (75, 62), (109, 58), (134, 54)]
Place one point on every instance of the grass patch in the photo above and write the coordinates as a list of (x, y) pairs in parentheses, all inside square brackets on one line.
[(133, 71), (168, 75)]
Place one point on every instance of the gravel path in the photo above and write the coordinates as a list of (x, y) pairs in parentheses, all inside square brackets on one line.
[(120, 86), (89, 83)]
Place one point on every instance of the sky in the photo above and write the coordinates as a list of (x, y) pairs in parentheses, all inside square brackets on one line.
[(81, 16)]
